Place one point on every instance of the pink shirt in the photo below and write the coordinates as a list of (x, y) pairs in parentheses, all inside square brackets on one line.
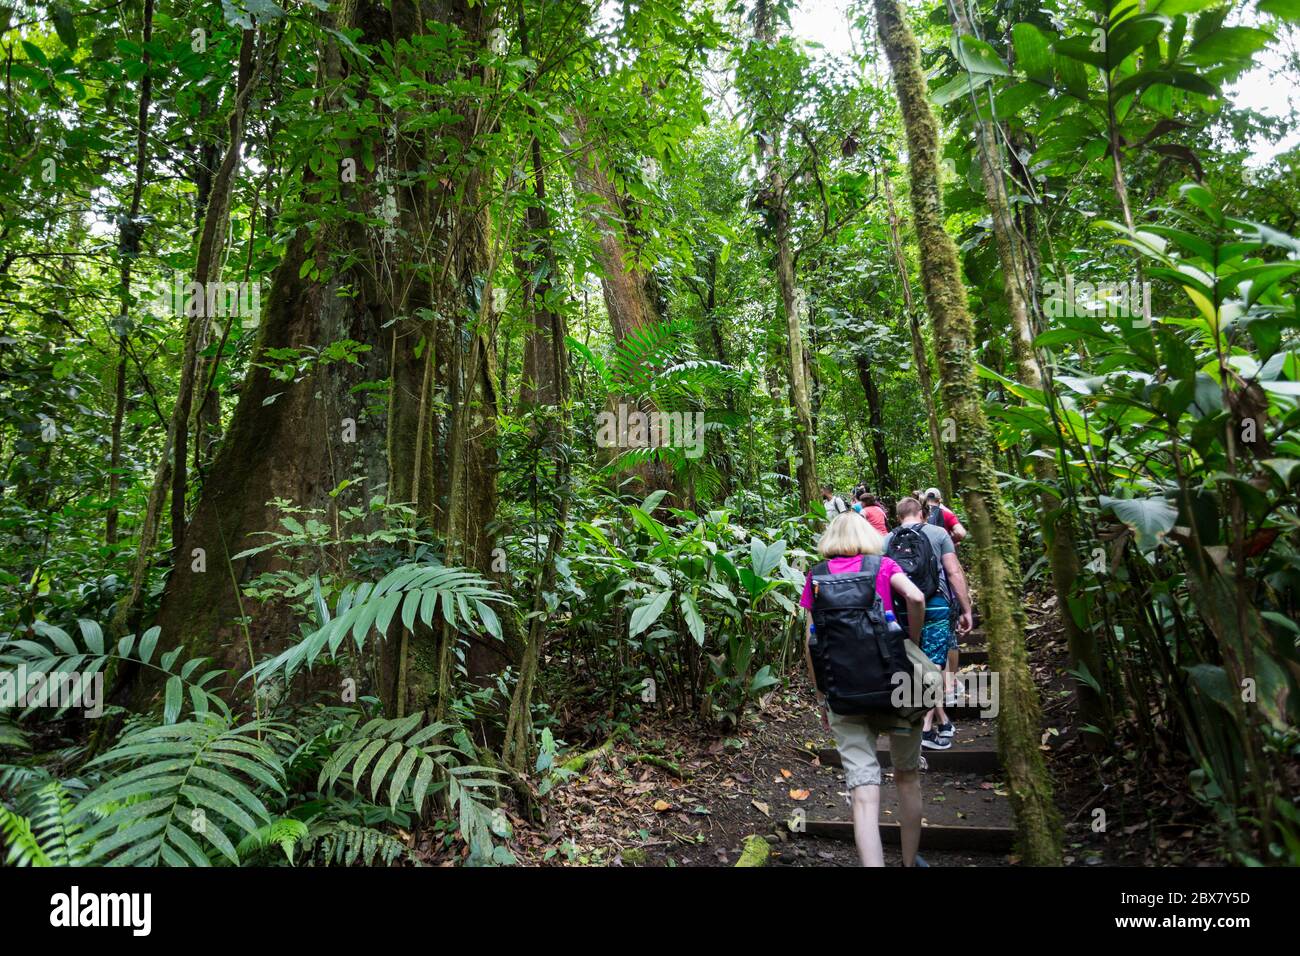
[(888, 568)]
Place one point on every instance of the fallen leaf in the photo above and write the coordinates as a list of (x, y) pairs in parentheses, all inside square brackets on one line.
[(799, 794), (786, 773), (761, 808), (662, 805)]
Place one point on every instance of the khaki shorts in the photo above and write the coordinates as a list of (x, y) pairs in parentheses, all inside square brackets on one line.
[(855, 738)]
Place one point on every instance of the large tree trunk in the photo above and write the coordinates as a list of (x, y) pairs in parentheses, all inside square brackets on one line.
[(1054, 520), (171, 471), (545, 396), (298, 441), (992, 529)]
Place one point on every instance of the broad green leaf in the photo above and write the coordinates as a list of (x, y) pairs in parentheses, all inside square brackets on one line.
[(648, 613)]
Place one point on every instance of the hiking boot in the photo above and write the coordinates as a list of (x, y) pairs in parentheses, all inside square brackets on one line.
[(930, 740)]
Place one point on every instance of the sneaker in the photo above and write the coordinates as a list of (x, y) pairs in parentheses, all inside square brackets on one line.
[(919, 860), (931, 740), (947, 730)]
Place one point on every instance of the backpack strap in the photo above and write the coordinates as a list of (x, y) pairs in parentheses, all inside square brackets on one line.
[(871, 565)]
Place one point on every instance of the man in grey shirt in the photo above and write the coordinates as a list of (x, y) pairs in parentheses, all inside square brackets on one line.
[(938, 639)]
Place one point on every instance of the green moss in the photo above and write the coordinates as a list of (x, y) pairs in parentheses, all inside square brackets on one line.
[(755, 853)]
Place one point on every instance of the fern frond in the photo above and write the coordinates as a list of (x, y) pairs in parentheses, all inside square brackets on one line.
[(39, 828), (11, 735), (697, 376), (24, 848), (463, 597), (347, 844), (284, 832), (641, 350)]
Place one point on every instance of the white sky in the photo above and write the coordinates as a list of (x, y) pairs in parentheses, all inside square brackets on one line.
[(826, 22)]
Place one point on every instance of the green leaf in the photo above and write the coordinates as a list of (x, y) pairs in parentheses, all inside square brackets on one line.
[(148, 641), (172, 700), (65, 26), (648, 613), (1033, 52), (694, 622), (1228, 43), (1150, 519), (959, 86), (979, 57), (1282, 9)]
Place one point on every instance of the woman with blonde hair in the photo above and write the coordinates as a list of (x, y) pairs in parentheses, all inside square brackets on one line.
[(844, 544)]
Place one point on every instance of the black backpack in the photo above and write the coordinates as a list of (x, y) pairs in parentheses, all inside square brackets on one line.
[(854, 654), (936, 517), (912, 550)]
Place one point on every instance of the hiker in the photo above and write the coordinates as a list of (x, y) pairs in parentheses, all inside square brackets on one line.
[(834, 503), (849, 544), (927, 553), (939, 516), (875, 514)]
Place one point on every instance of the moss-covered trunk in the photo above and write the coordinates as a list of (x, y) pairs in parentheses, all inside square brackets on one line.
[(992, 529), (919, 356)]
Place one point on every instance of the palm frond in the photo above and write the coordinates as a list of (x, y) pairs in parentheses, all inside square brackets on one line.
[(175, 788), (76, 665), (405, 759)]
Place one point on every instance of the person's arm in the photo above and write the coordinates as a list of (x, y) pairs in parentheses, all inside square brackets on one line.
[(952, 569), (904, 588), (958, 530)]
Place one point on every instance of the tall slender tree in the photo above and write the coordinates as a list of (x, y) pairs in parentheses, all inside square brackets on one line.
[(993, 534), (1055, 521)]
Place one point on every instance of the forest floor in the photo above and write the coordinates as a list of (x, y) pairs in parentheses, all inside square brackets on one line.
[(621, 810)]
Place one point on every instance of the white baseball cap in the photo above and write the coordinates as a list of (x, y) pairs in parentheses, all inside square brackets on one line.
[(933, 493)]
